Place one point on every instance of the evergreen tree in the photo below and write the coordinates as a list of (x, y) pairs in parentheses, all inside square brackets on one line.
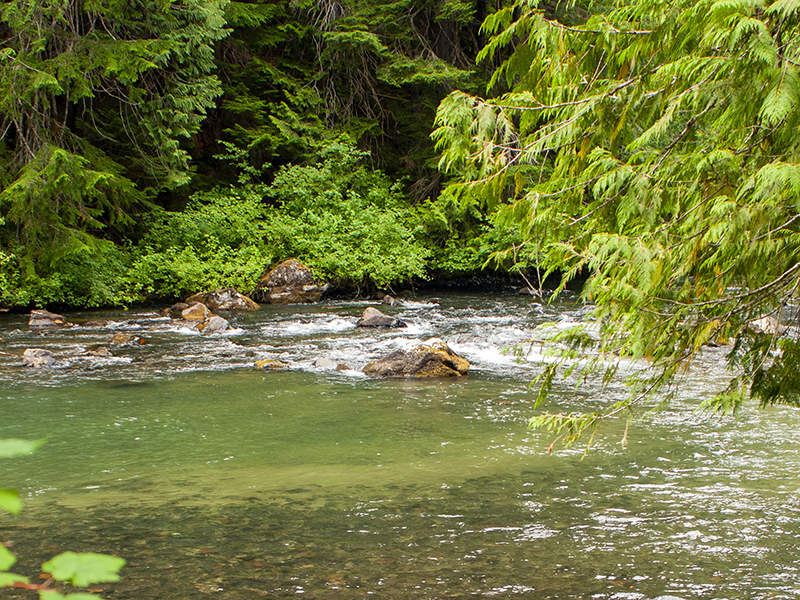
[(654, 148), (95, 99)]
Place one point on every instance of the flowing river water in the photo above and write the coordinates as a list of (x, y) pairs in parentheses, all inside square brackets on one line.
[(215, 479)]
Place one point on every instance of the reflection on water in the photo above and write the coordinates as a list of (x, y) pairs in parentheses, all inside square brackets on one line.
[(214, 479)]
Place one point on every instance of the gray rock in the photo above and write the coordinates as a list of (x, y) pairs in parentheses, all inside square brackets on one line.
[(291, 282), (215, 324), (37, 358), (372, 317), (432, 358), (45, 319)]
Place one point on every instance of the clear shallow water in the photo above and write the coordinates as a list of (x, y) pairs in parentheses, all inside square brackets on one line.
[(213, 478)]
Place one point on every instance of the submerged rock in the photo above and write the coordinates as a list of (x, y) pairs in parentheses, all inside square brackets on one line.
[(432, 358), (126, 339), (43, 318), (225, 300), (101, 352), (174, 311), (323, 363), (97, 324), (291, 282), (390, 300), (270, 364), (38, 358), (372, 317)]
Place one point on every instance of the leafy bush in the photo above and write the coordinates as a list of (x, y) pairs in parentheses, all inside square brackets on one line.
[(218, 241), (90, 273), (348, 223)]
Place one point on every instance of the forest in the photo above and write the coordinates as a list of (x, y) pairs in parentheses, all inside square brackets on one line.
[(153, 149)]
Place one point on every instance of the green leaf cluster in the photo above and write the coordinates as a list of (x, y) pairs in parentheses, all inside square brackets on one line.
[(219, 240), (347, 222)]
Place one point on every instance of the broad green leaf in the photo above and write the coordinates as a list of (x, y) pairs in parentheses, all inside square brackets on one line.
[(7, 579), (12, 447), (9, 501), (83, 569), (7, 559)]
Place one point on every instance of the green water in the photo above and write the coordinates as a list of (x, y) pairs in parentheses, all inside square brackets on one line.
[(243, 484)]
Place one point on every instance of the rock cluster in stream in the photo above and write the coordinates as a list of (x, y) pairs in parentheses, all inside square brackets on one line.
[(432, 358), (199, 309)]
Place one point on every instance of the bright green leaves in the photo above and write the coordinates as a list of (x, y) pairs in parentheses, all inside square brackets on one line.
[(345, 221), (9, 501), (7, 559), (783, 98), (85, 568)]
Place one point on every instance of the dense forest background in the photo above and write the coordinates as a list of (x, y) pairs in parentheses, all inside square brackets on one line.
[(151, 149)]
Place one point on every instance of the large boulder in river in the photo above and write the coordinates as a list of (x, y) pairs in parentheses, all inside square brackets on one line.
[(225, 300), (37, 358), (43, 319), (432, 358), (372, 317), (291, 282), (196, 312), (215, 324)]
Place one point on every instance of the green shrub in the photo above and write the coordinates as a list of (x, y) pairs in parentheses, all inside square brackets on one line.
[(345, 221), (217, 241)]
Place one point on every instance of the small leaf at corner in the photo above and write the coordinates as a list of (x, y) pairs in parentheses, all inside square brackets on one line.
[(10, 447), (9, 501), (6, 558), (84, 569)]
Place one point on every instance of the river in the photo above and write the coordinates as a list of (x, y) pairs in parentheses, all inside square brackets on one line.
[(215, 479)]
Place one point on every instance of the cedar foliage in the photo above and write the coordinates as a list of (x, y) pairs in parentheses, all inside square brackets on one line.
[(654, 148)]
